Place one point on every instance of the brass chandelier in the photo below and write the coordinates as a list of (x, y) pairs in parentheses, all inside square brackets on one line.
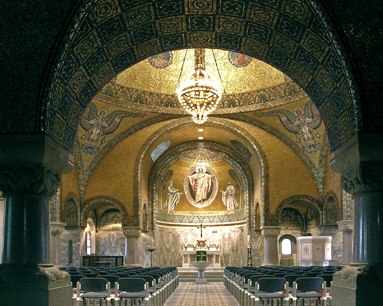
[(200, 93)]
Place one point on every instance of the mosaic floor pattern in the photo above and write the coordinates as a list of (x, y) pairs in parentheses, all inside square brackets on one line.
[(192, 294)]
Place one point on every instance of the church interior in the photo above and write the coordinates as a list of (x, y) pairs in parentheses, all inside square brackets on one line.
[(107, 158)]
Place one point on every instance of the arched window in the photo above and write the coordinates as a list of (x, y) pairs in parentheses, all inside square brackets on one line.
[(88, 243), (161, 148), (286, 246)]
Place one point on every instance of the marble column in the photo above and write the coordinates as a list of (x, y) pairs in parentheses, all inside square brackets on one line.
[(132, 234), (361, 163), (29, 176), (346, 227), (270, 245)]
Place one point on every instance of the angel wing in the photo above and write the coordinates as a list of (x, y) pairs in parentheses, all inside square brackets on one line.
[(312, 112), (89, 114), (113, 120), (287, 119)]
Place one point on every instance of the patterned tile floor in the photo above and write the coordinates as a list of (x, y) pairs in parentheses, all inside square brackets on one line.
[(192, 294)]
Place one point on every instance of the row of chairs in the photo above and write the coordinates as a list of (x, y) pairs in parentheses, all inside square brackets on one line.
[(251, 286), (149, 287)]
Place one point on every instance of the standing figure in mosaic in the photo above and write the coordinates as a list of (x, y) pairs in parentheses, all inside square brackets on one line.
[(173, 197), (228, 197), (201, 183)]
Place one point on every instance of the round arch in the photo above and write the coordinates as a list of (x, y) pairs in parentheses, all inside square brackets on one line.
[(106, 37), (300, 198), (92, 203)]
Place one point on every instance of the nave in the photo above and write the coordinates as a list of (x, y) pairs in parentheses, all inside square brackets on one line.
[(193, 294)]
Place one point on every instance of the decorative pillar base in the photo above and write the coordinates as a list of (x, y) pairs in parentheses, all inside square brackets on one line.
[(34, 286), (357, 285)]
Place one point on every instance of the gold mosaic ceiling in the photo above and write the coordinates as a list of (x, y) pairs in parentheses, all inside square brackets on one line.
[(251, 75), (248, 84)]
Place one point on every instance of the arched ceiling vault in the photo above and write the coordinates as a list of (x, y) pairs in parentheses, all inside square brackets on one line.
[(107, 37)]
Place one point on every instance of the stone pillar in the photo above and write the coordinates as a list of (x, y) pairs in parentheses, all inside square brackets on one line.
[(361, 164), (132, 249), (29, 176), (346, 227), (270, 245), (57, 228)]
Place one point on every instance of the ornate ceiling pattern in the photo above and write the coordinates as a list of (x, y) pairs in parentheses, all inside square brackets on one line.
[(106, 37)]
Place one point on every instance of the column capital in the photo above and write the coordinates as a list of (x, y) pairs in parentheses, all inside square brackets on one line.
[(57, 228), (360, 161), (270, 230), (346, 225), (131, 232), (28, 180), (31, 164)]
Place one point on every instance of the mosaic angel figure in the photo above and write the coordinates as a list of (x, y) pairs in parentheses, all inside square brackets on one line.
[(98, 124), (303, 123)]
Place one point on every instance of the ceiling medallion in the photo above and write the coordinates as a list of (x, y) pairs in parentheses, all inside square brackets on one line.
[(200, 93), (238, 60), (161, 60)]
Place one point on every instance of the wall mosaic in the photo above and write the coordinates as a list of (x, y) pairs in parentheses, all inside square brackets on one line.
[(184, 122), (348, 206), (118, 94), (331, 209), (317, 171), (241, 149), (86, 167), (161, 60), (54, 206), (110, 220), (116, 209), (97, 124), (174, 154), (303, 123), (72, 212), (313, 214), (292, 218), (239, 217)]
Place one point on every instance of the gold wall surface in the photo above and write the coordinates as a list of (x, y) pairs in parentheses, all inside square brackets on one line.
[(116, 163)]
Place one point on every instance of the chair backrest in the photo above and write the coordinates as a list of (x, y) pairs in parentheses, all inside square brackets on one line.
[(272, 284), (112, 278), (149, 278), (309, 283), (255, 277), (327, 278), (93, 284), (131, 284), (90, 274), (290, 278), (74, 278)]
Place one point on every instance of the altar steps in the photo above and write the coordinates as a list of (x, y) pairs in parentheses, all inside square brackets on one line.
[(211, 274)]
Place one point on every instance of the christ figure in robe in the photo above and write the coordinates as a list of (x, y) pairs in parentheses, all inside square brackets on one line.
[(201, 183)]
